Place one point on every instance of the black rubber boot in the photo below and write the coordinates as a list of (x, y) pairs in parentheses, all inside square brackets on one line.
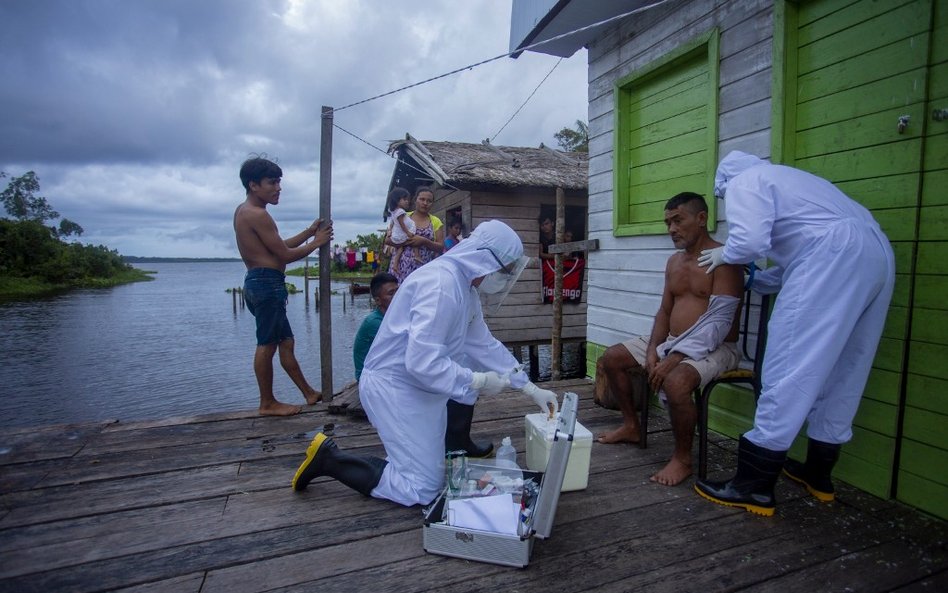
[(752, 489), (815, 473), (457, 435), (323, 458)]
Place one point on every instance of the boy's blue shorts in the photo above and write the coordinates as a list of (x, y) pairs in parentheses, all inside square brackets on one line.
[(265, 295)]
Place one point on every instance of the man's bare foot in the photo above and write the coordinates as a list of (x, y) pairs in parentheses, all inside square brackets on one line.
[(313, 398), (280, 409), (623, 434), (673, 473)]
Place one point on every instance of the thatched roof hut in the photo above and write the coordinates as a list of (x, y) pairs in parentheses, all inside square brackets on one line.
[(461, 165), (478, 182)]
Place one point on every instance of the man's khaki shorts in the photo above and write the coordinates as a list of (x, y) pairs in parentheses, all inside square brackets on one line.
[(725, 358)]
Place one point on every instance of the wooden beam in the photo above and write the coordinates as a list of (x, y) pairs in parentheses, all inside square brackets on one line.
[(559, 155), (557, 345), (585, 245), (497, 151)]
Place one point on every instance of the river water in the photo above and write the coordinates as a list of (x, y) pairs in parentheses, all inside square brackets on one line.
[(175, 346)]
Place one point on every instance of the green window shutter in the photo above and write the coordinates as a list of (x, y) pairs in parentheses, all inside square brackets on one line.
[(665, 136)]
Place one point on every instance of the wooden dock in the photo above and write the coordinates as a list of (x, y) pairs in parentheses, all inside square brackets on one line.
[(203, 504)]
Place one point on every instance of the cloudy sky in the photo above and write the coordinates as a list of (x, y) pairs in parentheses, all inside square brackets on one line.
[(136, 114)]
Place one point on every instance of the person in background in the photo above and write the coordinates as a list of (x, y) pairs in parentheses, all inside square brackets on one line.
[(382, 289), (835, 271), (401, 227), (418, 362), (454, 234), (547, 237), (266, 254), (693, 339), (428, 241)]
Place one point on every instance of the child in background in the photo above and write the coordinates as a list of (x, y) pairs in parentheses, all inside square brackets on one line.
[(453, 236), (401, 227)]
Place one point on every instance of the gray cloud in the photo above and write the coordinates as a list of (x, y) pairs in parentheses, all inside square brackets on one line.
[(136, 115)]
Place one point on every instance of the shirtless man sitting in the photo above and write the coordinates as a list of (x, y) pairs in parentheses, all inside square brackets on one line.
[(694, 336), (265, 254)]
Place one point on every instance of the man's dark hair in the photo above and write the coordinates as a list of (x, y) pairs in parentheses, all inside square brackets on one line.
[(695, 202), (395, 196), (257, 169), (375, 285)]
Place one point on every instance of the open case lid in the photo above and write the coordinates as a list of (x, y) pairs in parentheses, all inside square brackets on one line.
[(555, 472)]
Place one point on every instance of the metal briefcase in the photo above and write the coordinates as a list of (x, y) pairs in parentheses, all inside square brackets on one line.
[(500, 548)]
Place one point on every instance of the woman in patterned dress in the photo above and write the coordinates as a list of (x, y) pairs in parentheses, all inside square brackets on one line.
[(428, 242)]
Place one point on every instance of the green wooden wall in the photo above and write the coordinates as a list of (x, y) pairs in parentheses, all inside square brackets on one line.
[(665, 135), (852, 69)]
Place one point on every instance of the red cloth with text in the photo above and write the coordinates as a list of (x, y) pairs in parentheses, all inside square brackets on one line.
[(572, 279)]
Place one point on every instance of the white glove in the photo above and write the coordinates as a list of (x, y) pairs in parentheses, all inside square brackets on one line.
[(712, 258), (544, 398), (489, 383)]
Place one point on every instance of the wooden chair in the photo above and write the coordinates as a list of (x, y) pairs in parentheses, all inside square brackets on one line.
[(749, 377)]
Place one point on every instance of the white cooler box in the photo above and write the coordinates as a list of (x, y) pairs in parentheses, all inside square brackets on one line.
[(540, 443), (501, 548)]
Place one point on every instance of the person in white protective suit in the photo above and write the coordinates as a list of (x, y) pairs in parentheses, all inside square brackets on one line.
[(431, 338), (834, 269)]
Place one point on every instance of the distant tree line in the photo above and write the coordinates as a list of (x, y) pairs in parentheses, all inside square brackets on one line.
[(32, 246)]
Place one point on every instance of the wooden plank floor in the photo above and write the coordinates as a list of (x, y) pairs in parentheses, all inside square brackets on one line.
[(204, 504)]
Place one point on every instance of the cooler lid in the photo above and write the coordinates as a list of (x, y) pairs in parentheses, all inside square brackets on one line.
[(552, 481)]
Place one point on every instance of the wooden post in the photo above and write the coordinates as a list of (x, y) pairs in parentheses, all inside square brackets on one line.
[(557, 345), (325, 263), (534, 354), (306, 279)]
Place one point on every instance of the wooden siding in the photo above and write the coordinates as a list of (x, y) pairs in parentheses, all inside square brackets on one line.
[(626, 275), (523, 318), (924, 439), (850, 76)]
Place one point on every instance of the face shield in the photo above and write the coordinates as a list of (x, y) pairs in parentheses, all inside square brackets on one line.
[(495, 286)]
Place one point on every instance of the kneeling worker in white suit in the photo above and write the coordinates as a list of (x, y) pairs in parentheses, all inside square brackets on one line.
[(835, 271), (431, 338)]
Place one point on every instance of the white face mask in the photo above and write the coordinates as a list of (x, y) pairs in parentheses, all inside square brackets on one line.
[(496, 285)]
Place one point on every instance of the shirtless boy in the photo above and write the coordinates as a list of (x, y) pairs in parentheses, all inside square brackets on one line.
[(266, 254), (707, 332)]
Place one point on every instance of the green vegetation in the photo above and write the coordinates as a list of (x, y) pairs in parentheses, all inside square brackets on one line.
[(574, 139), (34, 258), (372, 242), (335, 275)]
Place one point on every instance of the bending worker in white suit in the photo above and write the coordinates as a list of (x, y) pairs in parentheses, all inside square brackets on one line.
[(431, 338), (835, 272)]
